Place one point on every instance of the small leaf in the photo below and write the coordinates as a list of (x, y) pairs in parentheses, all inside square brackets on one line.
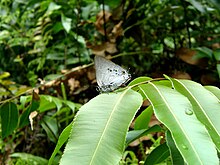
[(62, 139), (9, 118), (216, 54), (218, 69), (53, 6), (143, 119), (158, 155), (203, 52), (4, 75), (46, 103), (50, 125), (66, 22), (135, 134), (197, 5), (176, 157), (70, 104)]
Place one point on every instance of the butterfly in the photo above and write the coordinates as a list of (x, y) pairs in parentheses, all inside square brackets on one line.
[(109, 75)]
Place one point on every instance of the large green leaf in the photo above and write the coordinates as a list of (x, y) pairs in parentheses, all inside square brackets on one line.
[(9, 118), (214, 90), (62, 139), (99, 129), (205, 105), (176, 113)]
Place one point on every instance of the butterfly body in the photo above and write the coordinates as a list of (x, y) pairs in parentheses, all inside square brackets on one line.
[(109, 75)]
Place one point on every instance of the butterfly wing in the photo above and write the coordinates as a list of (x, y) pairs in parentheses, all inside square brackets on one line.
[(109, 75)]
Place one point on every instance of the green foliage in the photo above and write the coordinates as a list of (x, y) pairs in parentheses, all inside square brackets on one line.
[(180, 107), (56, 113), (41, 40), (9, 118), (36, 36), (158, 155), (29, 159)]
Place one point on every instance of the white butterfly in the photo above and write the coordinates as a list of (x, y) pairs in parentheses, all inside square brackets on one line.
[(109, 75)]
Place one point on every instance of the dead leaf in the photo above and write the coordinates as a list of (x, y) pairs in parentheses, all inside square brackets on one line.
[(181, 75), (31, 116), (99, 24), (116, 32), (101, 50), (186, 55), (209, 79)]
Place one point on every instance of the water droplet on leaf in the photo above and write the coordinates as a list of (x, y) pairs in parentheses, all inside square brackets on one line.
[(184, 147), (188, 111)]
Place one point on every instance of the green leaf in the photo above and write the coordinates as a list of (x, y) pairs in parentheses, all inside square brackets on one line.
[(205, 105), (216, 3), (169, 42), (203, 52), (100, 127), (216, 54), (30, 158), (4, 75), (53, 6), (176, 157), (9, 118), (143, 119), (50, 125), (46, 103), (62, 139), (135, 134), (50, 102), (158, 155), (214, 90), (176, 113), (218, 69), (66, 22), (197, 5), (140, 80)]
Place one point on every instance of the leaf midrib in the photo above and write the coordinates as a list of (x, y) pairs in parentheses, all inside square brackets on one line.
[(200, 106), (174, 118), (107, 124)]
